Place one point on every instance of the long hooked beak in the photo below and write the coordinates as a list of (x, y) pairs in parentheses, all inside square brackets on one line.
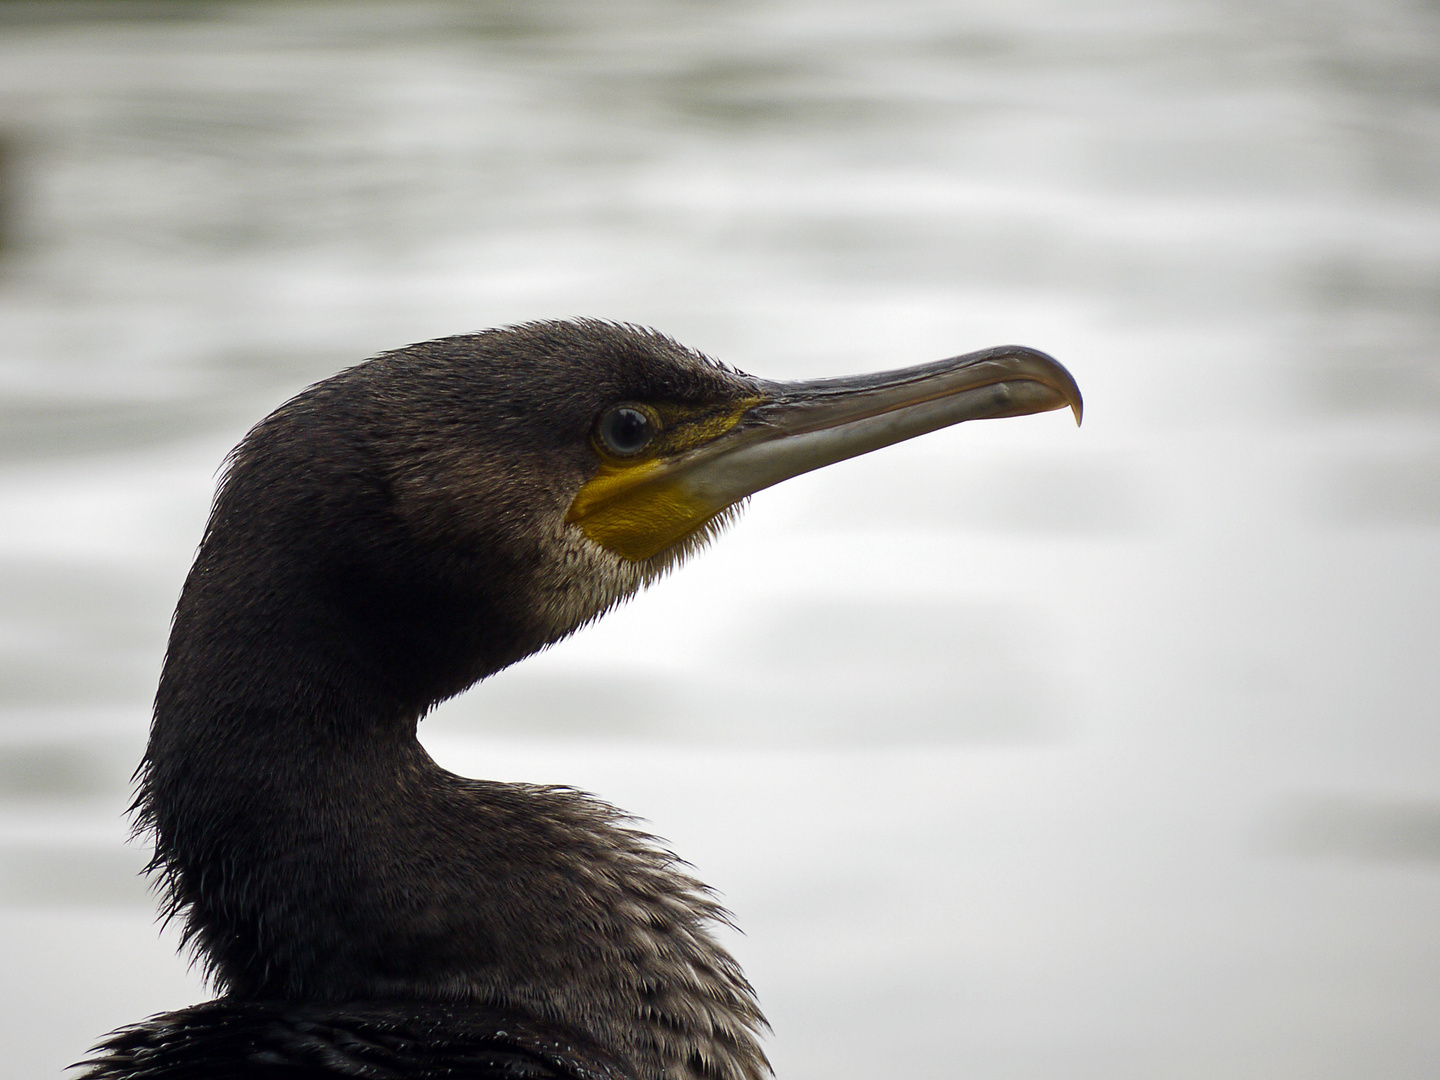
[(794, 427)]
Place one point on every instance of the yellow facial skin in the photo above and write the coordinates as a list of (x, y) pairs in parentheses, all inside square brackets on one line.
[(631, 505), (701, 459)]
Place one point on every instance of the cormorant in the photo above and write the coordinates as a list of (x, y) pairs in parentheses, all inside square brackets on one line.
[(378, 544)]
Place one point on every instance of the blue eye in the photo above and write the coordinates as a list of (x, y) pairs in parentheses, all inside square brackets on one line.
[(626, 430)]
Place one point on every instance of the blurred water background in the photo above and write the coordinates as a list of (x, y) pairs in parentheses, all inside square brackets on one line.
[(1019, 752)]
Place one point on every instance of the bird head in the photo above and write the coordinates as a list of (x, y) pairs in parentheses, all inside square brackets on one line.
[(464, 502)]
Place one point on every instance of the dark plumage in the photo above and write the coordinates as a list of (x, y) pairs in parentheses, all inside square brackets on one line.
[(234, 1039), (378, 544)]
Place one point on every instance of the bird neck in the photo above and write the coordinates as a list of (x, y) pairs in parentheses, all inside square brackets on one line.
[(278, 773), (315, 852)]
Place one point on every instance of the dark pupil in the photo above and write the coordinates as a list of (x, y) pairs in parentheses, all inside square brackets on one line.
[(625, 430)]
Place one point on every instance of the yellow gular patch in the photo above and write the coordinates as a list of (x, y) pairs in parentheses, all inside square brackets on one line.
[(633, 507), (619, 510)]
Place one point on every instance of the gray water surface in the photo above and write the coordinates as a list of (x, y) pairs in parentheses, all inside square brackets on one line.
[(1017, 751)]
